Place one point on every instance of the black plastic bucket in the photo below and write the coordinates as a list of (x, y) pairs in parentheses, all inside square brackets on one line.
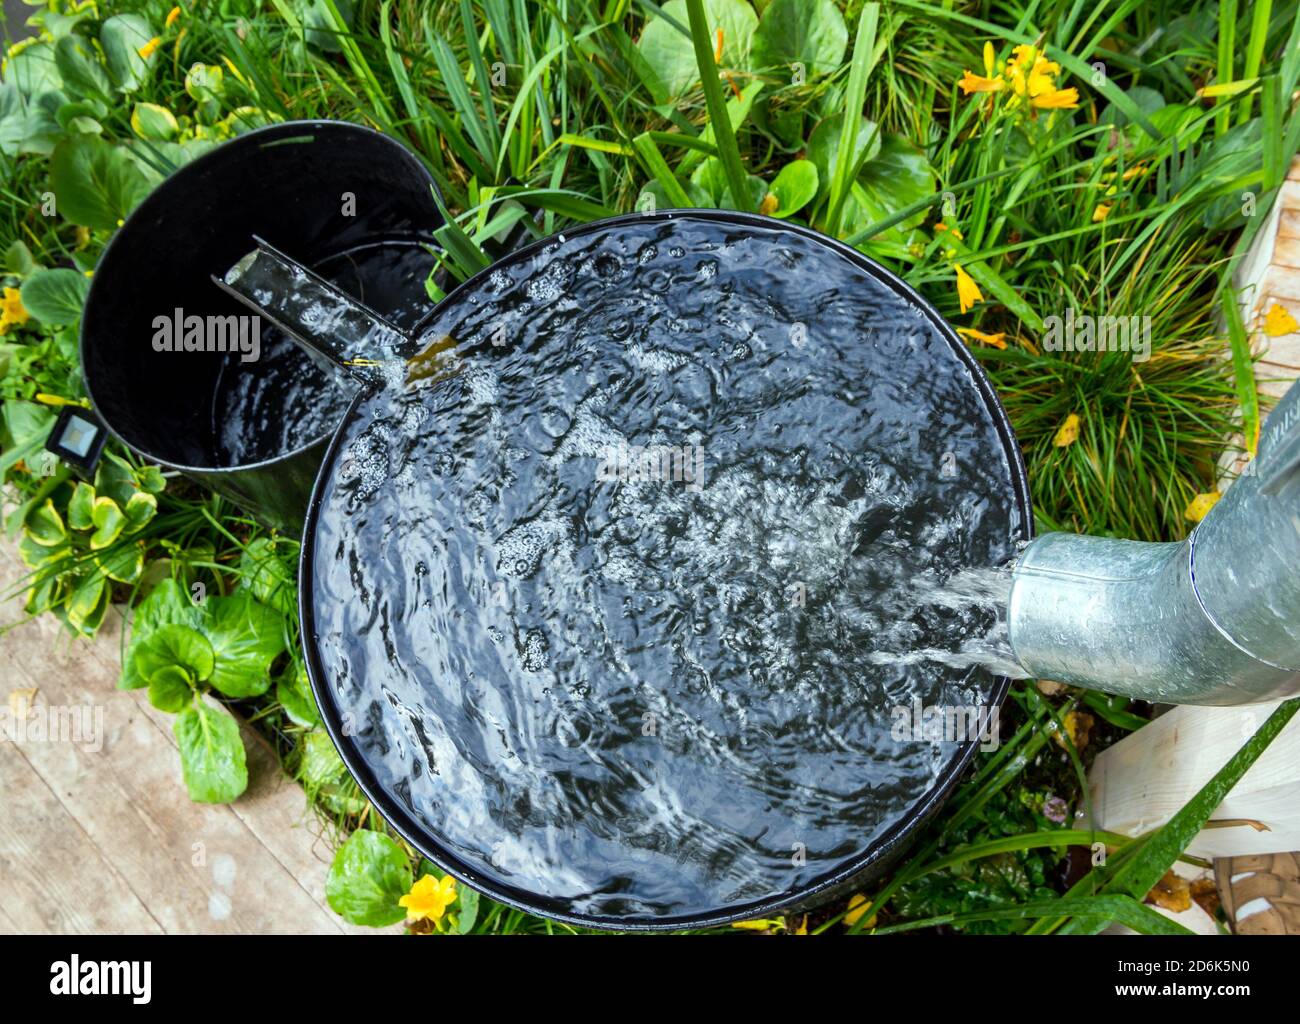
[(342, 198), (491, 725)]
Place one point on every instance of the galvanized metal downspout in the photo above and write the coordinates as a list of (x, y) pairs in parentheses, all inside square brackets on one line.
[(1214, 619)]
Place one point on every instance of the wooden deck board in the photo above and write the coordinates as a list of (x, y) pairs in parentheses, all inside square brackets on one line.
[(100, 835)]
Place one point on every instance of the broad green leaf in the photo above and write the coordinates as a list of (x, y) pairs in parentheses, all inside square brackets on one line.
[(167, 604), (115, 478), (268, 576), (124, 563), (807, 32), (35, 555), (795, 186), (293, 691), (151, 479), (175, 646), (122, 36), (80, 68), (55, 296), (246, 637), (95, 183), (170, 689), (44, 525), (320, 763), (140, 508), (89, 595), (898, 176), (369, 875), (81, 506), (108, 520), (212, 753), (467, 914), (670, 54), (34, 70), (154, 122), (18, 259), (824, 148), (26, 426)]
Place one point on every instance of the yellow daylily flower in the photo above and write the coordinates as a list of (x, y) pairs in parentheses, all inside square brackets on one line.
[(1200, 505), (1277, 321), (968, 292), (978, 83), (172, 15), (1057, 99), (998, 340), (1100, 213), (12, 310), (429, 898), (146, 51), (1069, 432)]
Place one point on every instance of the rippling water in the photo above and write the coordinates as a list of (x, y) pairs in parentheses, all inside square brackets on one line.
[(631, 693)]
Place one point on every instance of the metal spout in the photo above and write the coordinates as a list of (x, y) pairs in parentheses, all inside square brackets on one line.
[(1213, 620)]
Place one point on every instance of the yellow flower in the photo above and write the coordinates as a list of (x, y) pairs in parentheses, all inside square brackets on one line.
[(1100, 213), (1069, 432), (717, 46), (12, 310), (172, 15), (429, 898), (858, 906), (955, 232), (1277, 321), (1041, 78), (978, 83), (1200, 505), (1057, 99), (759, 925), (146, 51), (769, 204), (996, 340), (968, 292)]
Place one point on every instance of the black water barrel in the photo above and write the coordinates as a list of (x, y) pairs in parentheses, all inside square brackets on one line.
[(343, 199), (614, 612)]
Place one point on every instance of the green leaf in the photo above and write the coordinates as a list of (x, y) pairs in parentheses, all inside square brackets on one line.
[(670, 54), (89, 599), (151, 479), (26, 426), (44, 525), (108, 520), (95, 183), (18, 259), (246, 637), (468, 913), (824, 148), (170, 689), (369, 875), (293, 691), (897, 177), (80, 68), (320, 763), (122, 36), (81, 506), (808, 32), (34, 70), (212, 754), (55, 297), (167, 604), (268, 576), (140, 508), (175, 647), (115, 478), (124, 563), (794, 187), (154, 122)]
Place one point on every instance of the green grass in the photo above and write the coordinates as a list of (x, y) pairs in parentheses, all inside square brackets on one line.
[(548, 113)]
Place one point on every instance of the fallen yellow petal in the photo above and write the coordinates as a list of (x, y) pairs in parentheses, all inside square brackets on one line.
[(858, 906), (1200, 505), (758, 925), (968, 292), (1069, 432), (1277, 321), (998, 340)]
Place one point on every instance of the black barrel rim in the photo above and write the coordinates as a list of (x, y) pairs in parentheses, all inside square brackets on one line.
[(892, 842), (257, 138)]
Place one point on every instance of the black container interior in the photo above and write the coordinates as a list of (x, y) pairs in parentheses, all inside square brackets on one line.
[(339, 197)]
